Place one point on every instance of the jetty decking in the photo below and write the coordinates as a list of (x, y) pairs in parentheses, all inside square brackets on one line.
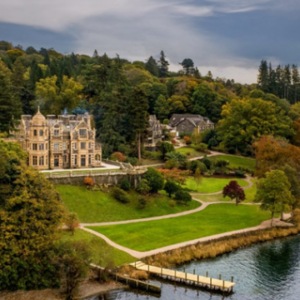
[(174, 275)]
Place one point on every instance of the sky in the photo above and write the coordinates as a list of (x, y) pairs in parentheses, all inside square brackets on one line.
[(227, 37)]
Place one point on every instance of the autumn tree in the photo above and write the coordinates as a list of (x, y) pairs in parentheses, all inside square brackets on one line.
[(247, 119), (273, 192), (31, 213), (54, 99), (273, 152), (234, 191)]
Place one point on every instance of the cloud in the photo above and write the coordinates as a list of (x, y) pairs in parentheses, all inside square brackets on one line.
[(219, 35)]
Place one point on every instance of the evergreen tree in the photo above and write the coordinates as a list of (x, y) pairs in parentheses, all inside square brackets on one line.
[(152, 67), (197, 73), (263, 76), (139, 118), (163, 65), (10, 105), (295, 82), (188, 66)]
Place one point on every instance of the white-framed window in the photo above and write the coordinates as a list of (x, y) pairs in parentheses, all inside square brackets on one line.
[(41, 146), (82, 131), (41, 160), (82, 145), (56, 146)]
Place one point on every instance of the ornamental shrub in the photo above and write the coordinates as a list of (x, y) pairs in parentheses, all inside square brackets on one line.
[(155, 180), (183, 196), (120, 195), (125, 185)]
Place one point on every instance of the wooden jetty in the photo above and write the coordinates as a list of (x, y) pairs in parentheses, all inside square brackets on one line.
[(187, 278)]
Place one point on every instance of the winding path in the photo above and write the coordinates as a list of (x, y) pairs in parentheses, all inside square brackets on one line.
[(139, 254)]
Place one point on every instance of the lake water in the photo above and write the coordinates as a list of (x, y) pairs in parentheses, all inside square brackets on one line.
[(268, 271)]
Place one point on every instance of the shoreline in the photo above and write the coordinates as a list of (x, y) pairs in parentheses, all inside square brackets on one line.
[(215, 247), (86, 290)]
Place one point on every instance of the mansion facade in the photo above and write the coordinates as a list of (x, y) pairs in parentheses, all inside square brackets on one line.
[(65, 141)]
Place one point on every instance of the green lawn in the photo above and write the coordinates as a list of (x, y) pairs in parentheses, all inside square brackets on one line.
[(236, 161), (211, 198), (210, 184), (216, 218), (189, 152), (102, 253), (250, 194), (95, 206)]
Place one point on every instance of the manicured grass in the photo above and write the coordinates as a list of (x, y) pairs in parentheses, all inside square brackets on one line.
[(250, 193), (216, 218), (236, 161), (210, 184), (96, 206), (189, 152), (211, 198), (102, 253)]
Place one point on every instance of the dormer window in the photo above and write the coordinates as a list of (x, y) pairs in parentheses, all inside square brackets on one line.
[(56, 132), (34, 132), (82, 131), (41, 132)]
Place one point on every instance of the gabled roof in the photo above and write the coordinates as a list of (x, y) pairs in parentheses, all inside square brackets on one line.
[(193, 119)]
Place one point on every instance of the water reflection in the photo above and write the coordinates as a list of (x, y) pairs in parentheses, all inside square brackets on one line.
[(269, 271)]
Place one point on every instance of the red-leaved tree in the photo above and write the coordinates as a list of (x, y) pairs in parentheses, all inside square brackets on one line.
[(234, 191)]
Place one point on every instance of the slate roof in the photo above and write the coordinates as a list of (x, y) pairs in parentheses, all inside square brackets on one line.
[(193, 119)]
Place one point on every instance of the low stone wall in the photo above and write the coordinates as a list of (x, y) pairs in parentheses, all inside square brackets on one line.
[(112, 178)]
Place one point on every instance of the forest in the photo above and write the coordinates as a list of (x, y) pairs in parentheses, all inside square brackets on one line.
[(121, 94)]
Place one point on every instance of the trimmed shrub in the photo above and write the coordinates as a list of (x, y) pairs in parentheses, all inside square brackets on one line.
[(155, 180), (201, 147), (120, 195), (142, 203), (171, 163), (171, 187), (125, 185), (239, 173), (187, 140), (143, 187), (118, 156), (195, 164), (183, 196), (88, 181), (207, 162), (172, 203)]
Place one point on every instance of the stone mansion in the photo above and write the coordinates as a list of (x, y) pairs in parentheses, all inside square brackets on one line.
[(66, 141)]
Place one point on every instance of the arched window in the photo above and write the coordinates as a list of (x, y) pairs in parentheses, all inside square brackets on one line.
[(41, 132)]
